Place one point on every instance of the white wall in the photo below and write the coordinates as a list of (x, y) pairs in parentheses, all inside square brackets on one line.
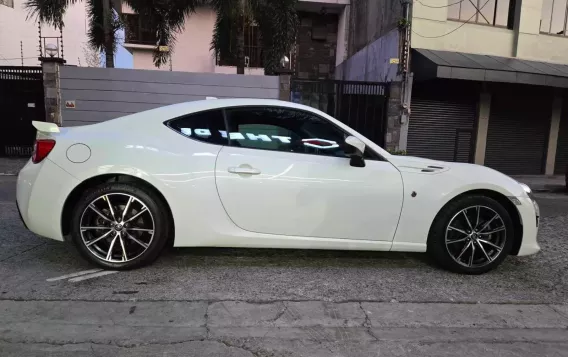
[(15, 28), (472, 38)]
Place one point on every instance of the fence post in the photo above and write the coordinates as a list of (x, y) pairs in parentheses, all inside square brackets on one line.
[(284, 83), (52, 88)]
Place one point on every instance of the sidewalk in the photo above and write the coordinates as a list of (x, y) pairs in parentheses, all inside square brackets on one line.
[(543, 183), (11, 166)]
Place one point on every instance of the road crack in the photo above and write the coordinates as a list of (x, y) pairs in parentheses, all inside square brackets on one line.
[(281, 313), (367, 323)]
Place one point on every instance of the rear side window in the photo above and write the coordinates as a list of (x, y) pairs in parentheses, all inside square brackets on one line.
[(208, 126)]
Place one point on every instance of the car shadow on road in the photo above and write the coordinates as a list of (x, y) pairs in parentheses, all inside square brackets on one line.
[(294, 257)]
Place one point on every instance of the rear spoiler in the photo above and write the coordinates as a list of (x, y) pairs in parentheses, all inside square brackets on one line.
[(45, 127)]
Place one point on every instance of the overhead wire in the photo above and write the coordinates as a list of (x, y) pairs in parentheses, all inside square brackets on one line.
[(457, 28)]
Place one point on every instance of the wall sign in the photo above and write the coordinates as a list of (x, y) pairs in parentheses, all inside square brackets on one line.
[(70, 104)]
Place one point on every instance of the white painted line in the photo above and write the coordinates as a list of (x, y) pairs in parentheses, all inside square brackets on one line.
[(72, 275), (91, 276)]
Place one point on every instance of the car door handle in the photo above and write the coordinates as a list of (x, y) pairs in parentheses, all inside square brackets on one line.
[(244, 170)]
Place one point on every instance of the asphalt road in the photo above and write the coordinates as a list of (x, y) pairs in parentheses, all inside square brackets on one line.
[(248, 284)]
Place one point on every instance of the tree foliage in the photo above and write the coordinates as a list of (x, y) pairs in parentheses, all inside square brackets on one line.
[(277, 22)]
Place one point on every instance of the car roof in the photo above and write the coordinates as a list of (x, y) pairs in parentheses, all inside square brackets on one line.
[(176, 110)]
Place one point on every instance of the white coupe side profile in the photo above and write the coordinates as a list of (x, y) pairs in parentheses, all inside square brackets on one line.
[(262, 174)]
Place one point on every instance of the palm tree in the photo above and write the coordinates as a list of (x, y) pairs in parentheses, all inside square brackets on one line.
[(276, 20), (104, 22)]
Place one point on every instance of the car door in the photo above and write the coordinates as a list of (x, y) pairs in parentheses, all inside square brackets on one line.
[(285, 172)]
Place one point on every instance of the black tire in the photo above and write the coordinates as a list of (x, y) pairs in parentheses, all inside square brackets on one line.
[(440, 252), (155, 206)]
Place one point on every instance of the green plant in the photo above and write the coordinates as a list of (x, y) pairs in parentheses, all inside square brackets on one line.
[(403, 23), (397, 152)]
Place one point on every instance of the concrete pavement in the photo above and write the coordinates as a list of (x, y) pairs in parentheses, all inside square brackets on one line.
[(252, 302), (285, 328)]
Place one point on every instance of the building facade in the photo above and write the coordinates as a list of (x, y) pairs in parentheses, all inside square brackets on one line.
[(488, 79), (320, 44), (19, 36)]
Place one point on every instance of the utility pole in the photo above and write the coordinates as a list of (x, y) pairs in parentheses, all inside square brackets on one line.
[(22, 52), (406, 90)]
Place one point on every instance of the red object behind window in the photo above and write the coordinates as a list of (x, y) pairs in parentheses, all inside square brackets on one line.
[(42, 148)]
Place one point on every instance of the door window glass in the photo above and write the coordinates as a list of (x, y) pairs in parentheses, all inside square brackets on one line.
[(208, 126), (284, 129)]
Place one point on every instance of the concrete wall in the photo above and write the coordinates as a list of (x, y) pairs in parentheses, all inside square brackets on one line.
[(15, 28), (105, 93), (371, 63), (431, 30), (316, 58), (371, 19)]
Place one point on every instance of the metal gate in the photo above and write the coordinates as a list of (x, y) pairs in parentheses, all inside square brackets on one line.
[(442, 121), (360, 105), (22, 101), (517, 136)]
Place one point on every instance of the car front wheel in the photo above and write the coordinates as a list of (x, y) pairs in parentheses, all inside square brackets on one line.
[(120, 226), (471, 235)]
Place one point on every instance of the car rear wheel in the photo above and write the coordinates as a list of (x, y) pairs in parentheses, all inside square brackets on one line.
[(120, 226), (471, 235)]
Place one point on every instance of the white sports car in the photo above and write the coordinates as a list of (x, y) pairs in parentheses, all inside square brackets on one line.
[(263, 174)]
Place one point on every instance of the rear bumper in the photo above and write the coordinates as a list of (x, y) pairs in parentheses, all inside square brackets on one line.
[(41, 192), (20, 214)]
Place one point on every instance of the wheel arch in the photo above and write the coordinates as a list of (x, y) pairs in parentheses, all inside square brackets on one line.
[(505, 202), (77, 192)]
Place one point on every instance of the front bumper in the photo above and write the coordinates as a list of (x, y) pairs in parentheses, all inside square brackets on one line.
[(529, 212)]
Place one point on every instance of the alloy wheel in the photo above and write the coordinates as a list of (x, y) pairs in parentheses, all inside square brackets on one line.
[(475, 236), (117, 227)]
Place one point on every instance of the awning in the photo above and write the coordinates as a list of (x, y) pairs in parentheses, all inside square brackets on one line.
[(429, 64)]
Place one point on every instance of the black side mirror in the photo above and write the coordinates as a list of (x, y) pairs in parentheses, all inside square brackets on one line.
[(355, 149)]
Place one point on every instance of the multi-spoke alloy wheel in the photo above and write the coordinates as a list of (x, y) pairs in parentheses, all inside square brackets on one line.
[(117, 227), (120, 226), (476, 236), (472, 234)]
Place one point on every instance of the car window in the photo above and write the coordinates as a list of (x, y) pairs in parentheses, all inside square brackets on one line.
[(284, 129), (289, 130), (207, 126)]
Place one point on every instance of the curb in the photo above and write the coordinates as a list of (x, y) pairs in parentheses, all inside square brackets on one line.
[(8, 174)]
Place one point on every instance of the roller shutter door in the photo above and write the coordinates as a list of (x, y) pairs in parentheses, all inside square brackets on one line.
[(442, 124), (519, 123), (561, 161)]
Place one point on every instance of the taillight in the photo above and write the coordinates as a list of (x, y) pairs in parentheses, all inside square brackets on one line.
[(42, 148)]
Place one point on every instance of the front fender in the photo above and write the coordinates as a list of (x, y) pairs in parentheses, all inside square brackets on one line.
[(427, 193)]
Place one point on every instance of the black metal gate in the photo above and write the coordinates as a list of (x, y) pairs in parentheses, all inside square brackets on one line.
[(360, 105), (21, 102)]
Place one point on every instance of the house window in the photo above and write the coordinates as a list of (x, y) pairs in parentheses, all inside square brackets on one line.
[(139, 30), (486, 12), (252, 49), (9, 3), (553, 17)]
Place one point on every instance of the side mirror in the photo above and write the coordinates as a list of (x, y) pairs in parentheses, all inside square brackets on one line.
[(357, 153)]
